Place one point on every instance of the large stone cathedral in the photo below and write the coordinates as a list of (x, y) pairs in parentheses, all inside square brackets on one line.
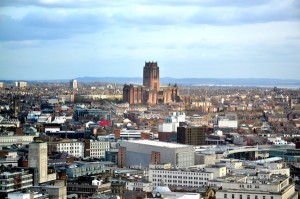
[(151, 92)]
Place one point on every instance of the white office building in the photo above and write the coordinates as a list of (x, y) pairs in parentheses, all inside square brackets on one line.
[(172, 122), (262, 186), (97, 149), (7, 140), (73, 84), (73, 148), (193, 177), (139, 185), (229, 120)]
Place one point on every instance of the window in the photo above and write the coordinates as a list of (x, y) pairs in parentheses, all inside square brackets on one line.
[(241, 196), (256, 197), (225, 195), (248, 196), (232, 196)]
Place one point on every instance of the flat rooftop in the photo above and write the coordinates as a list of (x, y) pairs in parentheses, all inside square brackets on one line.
[(159, 143)]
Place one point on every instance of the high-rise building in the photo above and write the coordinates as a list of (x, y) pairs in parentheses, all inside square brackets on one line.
[(151, 92), (191, 135), (38, 158), (1, 84), (73, 84), (21, 84)]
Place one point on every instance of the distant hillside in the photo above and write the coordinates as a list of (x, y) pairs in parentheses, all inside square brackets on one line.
[(118, 80), (262, 82), (199, 81)]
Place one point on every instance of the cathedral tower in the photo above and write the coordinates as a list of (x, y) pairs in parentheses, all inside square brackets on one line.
[(151, 76)]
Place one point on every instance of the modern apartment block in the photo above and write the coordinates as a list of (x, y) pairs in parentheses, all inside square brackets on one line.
[(73, 84), (13, 181)]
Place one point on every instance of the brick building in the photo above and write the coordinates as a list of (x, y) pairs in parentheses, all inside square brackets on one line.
[(151, 92)]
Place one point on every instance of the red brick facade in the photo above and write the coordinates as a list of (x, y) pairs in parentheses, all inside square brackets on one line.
[(151, 91)]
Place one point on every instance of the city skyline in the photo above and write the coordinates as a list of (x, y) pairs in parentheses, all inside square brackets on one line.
[(66, 39)]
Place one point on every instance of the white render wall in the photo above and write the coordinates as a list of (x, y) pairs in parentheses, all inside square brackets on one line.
[(246, 189), (72, 148), (9, 140), (138, 186), (18, 195), (180, 178), (217, 171), (168, 127), (98, 148), (228, 123)]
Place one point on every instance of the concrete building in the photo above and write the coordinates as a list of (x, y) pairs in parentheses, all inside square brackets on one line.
[(86, 115), (8, 122), (126, 134), (277, 141), (198, 120), (144, 152), (191, 135), (26, 194), (74, 148), (175, 117), (73, 84), (21, 84), (228, 121), (9, 158), (54, 192), (263, 186), (14, 181), (167, 132), (96, 149), (139, 185), (1, 84), (38, 158), (194, 177), (85, 168), (7, 140), (84, 189)]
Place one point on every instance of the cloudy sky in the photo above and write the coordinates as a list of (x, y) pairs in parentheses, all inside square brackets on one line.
[(64, 39)]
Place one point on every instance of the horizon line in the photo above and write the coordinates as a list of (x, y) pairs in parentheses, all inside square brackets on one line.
[(68, 79)]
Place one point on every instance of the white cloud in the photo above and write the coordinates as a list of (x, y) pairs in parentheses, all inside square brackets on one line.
[(195, 33)]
